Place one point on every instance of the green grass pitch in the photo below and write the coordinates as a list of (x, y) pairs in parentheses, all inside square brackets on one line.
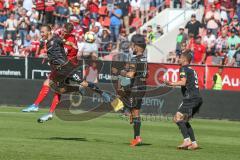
[(107, 138)]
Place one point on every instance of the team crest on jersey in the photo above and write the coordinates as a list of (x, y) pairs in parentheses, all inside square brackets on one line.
[(182, 74)]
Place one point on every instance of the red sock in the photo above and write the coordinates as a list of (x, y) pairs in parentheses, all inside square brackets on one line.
[(42, 94), (55, 101)]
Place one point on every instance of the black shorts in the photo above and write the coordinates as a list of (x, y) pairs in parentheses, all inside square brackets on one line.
[(59, 74), (132, 99), (190, 106)]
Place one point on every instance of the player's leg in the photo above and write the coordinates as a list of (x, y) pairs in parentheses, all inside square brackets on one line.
[(135, 106), (136, 120), (189, 127), (83, 84), (180, 119), (42, 94), (49, 116)]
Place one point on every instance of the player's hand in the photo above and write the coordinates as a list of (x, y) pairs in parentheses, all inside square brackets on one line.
[(167, 83)]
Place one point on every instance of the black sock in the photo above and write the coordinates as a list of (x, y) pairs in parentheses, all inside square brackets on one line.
[(183, 128), (136, 126), (94, 87), (190, 131)]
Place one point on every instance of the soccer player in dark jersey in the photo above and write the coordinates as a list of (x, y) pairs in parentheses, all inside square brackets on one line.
[(63, 68), (132, 84), (70, 45), (191, 103)]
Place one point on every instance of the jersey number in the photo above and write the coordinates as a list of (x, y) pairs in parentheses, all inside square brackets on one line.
[(196, 79)]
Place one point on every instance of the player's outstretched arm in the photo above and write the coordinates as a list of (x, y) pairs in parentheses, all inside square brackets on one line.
[(182, 82)]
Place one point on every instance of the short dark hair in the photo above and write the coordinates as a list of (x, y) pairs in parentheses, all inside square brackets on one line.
[(188, 55), (139, 40), (49, 28), (69, 27), (150, 26)]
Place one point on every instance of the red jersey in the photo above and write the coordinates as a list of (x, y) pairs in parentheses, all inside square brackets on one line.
[(199, 51), (39, 5), (1, 43), (35, 45), (93, 7), (49, 6), (70, 50), (8, 45)]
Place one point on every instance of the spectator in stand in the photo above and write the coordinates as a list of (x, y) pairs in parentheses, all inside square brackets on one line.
[(105, 40), (27, 4), (93, 9), (236, 59), (238, 9), (229, 5), (11, 26), (35, 44), (124, 6), (231, 52), (159, 32), (213, 20), (61, 13), (217, 59), (49, 10), (209, 41), (193, 26), (233, 40), (144, 7), (124, 46), (224, 15), (235, 24), (115, 22), (135, 6), (8, 45), (23, 23), (17, 46), (40, 6), (74, 15), (136, 23), (171, 58), (199, 51), (222, 41), (181, 39), (34, 32), (3, 19), (34, 16), (27, 46), (151, 37)]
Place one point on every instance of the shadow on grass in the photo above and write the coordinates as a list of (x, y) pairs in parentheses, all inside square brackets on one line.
[(64, 139), (140, 145)]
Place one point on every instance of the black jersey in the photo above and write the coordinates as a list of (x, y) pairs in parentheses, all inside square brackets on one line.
[(191, 89), (140, 64), (55, 51)]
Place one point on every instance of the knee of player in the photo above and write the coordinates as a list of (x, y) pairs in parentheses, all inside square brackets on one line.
[(178, 117), (46, 82)]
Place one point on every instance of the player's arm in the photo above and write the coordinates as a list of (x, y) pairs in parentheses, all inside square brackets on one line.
[(182, 81)]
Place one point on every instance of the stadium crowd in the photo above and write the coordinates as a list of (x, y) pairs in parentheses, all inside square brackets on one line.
[(215, 39), (110, 20)]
